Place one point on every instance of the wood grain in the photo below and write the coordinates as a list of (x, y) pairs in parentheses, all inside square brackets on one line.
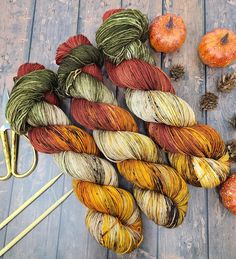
[(15, 28), (222, 224), (190, 239)]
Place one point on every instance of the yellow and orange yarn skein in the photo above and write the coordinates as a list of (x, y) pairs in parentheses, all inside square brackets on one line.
[(196, 151), (113, 217), (159, 191)]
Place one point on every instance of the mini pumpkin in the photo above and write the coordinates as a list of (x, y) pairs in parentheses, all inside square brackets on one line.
[(218, 48), (167, 33), (228, 193)]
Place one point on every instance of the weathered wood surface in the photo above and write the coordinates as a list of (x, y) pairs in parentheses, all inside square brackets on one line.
[(221, 223), (31, 30), (190, 239)]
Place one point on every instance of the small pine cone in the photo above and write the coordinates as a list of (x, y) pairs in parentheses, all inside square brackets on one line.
[(176, 72), (231, 147), (208, 101), (227, 82)]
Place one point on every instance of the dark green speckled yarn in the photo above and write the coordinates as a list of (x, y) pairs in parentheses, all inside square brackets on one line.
[(76, 59), (122, 37), (28, 91)]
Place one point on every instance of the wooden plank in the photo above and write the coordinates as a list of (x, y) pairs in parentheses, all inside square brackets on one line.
[(15, 24), (90, 16), (148, 248), (56, 21), (222, 224), (190, 239), (48, 30)]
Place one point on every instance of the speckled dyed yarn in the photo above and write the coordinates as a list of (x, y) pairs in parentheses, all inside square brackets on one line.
[(196, 151), (113, 217), (160, 192)]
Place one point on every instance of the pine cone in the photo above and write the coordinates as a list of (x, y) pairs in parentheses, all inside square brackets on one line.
[(208, 101), (176, 72), (227, 82), (231, 147)]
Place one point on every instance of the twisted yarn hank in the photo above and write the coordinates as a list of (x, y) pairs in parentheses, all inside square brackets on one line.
[(113, 217), (160, 193), (196, 151)]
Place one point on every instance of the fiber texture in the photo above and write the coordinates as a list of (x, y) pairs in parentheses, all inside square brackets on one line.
[(160, 192), (113, 217), (196, 151)]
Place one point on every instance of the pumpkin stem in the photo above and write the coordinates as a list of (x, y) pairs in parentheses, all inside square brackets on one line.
[(225, 39), (170, 24)]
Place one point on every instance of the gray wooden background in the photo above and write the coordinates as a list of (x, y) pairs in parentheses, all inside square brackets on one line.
[(30, 30)]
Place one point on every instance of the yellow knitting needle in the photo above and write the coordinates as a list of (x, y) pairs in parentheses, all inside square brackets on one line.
[(29, 201), (35, 223)]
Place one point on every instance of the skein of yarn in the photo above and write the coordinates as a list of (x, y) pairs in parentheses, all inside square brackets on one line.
[(196, 151), (113, 217), (159, 191)]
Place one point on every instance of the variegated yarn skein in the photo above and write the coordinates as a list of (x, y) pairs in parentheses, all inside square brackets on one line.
[(113, 217), (196, 151), (159, 191)]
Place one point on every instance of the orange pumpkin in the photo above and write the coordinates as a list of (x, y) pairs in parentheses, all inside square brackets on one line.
[(167, 33), (228, 193), (218, 48)]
